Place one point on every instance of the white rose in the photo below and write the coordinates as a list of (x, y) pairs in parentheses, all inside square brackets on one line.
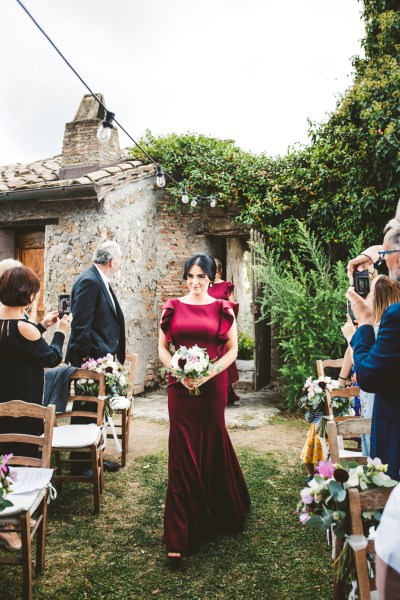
[(360, 471), (197, 367), (174, 361), (188, 367), (122, 380), (353, 481)]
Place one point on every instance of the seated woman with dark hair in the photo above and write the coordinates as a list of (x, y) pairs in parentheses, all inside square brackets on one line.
[(23, 356)]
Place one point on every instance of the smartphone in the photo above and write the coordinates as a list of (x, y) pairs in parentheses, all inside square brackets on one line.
[(64, 305), (361, 283), (350, 312)]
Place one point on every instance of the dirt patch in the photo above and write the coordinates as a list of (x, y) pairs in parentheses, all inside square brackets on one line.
[(149, 437)]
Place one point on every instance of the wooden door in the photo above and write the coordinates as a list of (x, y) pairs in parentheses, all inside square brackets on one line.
[(29, 249), (262, 330)]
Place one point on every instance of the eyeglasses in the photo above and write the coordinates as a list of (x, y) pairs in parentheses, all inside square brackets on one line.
[(383, 253)]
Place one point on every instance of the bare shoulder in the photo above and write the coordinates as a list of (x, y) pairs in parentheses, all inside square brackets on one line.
[(29, 331)]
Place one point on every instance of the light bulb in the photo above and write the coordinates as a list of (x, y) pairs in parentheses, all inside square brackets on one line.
[(104, 131), (104, 134), (185, 197), (213, 204), (160, 180), (194, 201)]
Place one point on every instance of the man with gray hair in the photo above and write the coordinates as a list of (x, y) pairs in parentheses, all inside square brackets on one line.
[(98, 323), (377, 361)]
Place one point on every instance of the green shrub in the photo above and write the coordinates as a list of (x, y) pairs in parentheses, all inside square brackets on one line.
[(246, 347), (304, 298)]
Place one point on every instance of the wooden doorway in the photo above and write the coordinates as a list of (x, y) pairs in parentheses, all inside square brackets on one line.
[(29, 249), (262, 330)]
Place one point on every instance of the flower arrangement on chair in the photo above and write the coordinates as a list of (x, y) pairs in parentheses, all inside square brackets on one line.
[(6, 478), (116, 376), (314, 398), (323, 503)]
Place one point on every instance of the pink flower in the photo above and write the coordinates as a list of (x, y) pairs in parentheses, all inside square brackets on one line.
[(306, 496), (3, 467), (304, 517), (326, 469)]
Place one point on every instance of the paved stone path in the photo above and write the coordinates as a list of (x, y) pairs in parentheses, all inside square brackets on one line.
[(254, 410)]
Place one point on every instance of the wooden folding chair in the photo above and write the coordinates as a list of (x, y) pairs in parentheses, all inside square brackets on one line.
[(347, 428), (85, 438), (328, 363), (359, 502), (37, 500), (348, 392), (123, 407)]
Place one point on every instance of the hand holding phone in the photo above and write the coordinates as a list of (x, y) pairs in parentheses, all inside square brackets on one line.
[(64, 305), (361, 283)]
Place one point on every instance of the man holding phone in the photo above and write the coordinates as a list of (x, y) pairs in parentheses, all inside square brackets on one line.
[(377, 361), (98, 324)]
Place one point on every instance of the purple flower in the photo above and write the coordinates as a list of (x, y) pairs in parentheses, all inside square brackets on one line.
[(326, 469), (306, 496), (304, 517), (3, 467)]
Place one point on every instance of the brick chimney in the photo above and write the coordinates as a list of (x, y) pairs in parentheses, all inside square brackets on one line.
[(82, 152)]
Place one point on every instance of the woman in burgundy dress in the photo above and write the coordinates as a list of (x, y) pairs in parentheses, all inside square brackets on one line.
[(206, 491), (223, 290)]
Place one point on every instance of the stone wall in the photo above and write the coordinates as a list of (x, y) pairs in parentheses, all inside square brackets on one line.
[(156, 243)]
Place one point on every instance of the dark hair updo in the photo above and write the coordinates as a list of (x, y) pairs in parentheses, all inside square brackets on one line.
[(18, 285), (204, 261)]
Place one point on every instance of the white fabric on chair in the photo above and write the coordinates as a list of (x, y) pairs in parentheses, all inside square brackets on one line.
[(28, 488), (75, 436), (120, 402)]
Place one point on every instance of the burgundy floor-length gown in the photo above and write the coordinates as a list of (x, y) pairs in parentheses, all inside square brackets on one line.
[(206, 492), (222, 291)]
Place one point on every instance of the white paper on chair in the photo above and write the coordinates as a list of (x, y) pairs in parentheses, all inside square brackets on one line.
[(29, 479)]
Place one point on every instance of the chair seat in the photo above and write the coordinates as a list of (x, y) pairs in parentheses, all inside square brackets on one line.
[(349, 453), (75, 436), (120, 403), (21, 502)]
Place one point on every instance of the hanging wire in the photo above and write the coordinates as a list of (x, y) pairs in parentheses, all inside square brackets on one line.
[(211, 199)]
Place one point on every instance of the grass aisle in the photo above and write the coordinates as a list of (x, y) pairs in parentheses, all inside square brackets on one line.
[(120, 554)]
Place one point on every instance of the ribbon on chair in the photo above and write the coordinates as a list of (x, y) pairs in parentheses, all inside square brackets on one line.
[(110, 424)]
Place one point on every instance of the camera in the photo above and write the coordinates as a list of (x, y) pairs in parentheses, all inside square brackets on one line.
[(64, 305), (361, 283)]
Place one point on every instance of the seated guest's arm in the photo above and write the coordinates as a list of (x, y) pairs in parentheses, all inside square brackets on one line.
[(377, 362)]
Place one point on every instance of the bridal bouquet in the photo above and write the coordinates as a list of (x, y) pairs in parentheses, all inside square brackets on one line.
[(116, 376), (190, 363), (323, 503), (5, 481)]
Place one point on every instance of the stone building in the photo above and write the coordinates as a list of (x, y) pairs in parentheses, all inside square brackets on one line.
[(54, 212)]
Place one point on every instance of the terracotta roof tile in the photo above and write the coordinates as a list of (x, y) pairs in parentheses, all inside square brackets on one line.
[(45, 173)]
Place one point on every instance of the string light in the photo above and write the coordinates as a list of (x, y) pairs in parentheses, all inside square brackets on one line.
[(105, 129), (160, 178), (185, 196)]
